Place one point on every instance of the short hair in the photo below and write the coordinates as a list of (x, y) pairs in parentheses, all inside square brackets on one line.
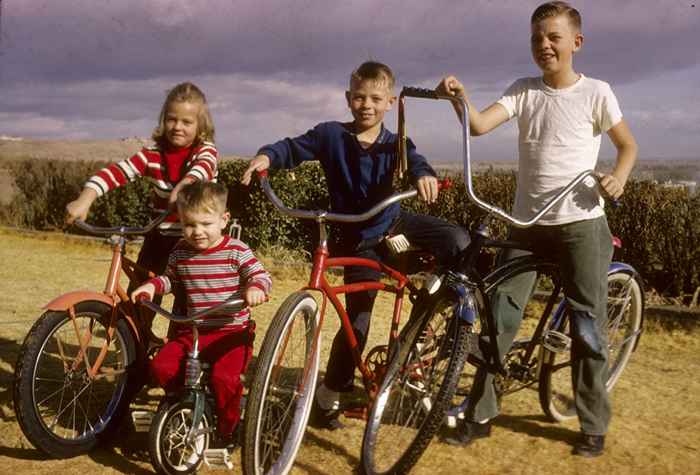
[(373, 71), (187, 92), (551, 9), (207, 196)]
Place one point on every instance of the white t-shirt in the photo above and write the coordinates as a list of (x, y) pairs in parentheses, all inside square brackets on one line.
[(560, 131)]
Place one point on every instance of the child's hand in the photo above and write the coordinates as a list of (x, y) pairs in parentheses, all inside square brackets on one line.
[(254, 296), (80, 207), (147, 289), (611, 185), (451, 86), (259, 163), (172, 199), (427, 188)]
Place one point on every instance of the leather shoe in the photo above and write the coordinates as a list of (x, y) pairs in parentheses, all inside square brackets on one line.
[(589, 445), (467, 431)]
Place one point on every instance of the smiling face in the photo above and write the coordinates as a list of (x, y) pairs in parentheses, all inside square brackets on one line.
[(181, 123), (553, 42), (368, 101), (203, 229)]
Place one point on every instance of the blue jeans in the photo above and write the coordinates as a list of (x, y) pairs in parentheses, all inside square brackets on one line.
[(444, 240), (583, 251)]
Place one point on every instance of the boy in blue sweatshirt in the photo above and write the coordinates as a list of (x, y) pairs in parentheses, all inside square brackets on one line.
[(359, 159)]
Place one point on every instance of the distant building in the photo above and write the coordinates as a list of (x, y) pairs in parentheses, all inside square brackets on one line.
[(691, 186)]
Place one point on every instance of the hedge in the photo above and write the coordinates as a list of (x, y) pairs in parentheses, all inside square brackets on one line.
[(659, 227)]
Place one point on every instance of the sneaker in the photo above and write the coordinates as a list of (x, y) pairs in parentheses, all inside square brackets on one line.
[(324, 418), (467, 431), (589, 445)]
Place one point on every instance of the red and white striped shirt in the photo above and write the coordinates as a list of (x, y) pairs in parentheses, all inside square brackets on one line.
[(212, 276), (163, 169)]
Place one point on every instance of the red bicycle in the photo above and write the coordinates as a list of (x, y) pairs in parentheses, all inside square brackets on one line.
[(409, 381)]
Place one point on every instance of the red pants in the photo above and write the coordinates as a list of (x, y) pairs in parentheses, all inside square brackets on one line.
[(227, 351)]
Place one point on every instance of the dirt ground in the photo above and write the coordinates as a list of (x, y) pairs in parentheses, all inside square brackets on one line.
[(655, 427)]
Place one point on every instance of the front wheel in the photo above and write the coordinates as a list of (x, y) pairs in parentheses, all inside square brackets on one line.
[(62, 409), (172, 452), (625, 308), (416, 392), (280, 397)]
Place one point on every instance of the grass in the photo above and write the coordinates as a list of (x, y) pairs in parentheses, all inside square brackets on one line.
[(655, 425)]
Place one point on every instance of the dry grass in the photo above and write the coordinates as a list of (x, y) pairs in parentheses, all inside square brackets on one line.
[(655, 428)]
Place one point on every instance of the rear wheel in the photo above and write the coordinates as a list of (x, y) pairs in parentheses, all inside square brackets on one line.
[(61, 409), (625, 307), (280, 397), (171, 452), (416, 392)]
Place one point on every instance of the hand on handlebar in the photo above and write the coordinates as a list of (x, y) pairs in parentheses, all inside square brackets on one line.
[(255, 296), (80, 207), (258, 164), (427, 187), (611, 185), (450, 86), (144, 292)]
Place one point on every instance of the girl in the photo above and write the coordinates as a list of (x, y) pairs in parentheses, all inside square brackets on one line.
[(183, 152)]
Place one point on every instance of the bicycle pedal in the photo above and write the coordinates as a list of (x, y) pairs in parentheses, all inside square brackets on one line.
[(218, 458), (141, 420), (556, 342)]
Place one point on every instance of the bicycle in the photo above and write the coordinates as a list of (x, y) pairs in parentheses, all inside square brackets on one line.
[(544, 357), (81, 361), (409, 382), (182, 428)]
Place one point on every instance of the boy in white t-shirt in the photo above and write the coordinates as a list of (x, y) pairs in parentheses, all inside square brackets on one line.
[(561, 117)]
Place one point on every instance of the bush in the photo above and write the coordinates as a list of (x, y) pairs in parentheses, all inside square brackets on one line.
[(660, 227)]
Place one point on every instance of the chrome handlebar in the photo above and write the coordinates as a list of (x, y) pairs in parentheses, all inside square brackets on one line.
[(121, 230), (195, 318)]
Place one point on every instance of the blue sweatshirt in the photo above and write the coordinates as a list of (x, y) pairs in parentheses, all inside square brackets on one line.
[(357, 178)]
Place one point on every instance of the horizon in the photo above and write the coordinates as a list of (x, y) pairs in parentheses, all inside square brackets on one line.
[(76, 71)]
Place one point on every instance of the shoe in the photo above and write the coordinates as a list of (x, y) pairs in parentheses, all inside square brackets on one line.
[(467, 431), (589, 445), (229, 442), (324, 418)]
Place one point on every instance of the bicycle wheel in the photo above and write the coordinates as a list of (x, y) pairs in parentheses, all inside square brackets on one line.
[(170, 451), (279, 401), (60, 408), (625, 306), (417, 390)]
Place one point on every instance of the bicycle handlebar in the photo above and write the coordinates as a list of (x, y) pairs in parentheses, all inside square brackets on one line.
[(122, 230), (325, 215), (195, 318), (466, 152)]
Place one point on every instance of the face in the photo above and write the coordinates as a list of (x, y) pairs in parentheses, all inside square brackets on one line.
[(554, 41), (368, 101), (181, 123), (203, 229)]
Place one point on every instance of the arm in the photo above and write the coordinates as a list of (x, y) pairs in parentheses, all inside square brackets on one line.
[(203, 167), (626, 146), (287, 153), (107, 179), (257, 281), (480, 123)]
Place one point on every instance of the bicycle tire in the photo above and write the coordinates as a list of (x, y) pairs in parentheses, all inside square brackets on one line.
[(625, 310), (93, 408), (169, 450), (280, 398), (406, 378)]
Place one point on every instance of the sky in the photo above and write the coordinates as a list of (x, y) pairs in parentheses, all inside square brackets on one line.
[(100, 69)]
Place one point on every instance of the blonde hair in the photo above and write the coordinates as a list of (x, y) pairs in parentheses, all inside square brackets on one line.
[(187, 92), (207, 196), (373, 71), (551, 9)]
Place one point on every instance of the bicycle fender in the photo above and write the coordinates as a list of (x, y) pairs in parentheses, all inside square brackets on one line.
[(68, 300), (621, 266), (466, 308)]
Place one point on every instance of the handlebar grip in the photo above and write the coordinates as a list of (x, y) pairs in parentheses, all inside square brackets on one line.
[(409, 91), (261, 173), (142, 297), (445, 184)]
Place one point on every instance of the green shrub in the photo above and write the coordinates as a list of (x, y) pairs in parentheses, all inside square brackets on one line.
[(660, 227)]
